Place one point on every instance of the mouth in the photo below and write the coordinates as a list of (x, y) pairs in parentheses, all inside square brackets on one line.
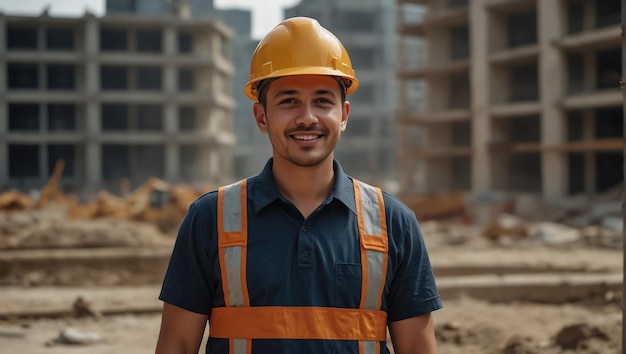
[(306, 137)]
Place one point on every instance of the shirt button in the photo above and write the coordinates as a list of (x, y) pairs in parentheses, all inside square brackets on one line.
[(305, 254), (304, 228)]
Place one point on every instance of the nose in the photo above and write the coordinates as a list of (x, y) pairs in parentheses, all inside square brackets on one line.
[(307, 116)]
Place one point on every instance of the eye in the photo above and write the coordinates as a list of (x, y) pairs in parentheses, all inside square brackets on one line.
[(287, 100), (323, 100)]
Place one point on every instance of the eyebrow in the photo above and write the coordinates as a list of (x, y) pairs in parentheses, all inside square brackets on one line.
[(288, 92)]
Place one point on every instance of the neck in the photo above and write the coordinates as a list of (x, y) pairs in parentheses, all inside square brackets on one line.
[(305, 187)]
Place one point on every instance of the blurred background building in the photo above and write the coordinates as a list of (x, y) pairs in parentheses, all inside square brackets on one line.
[(520, 95), (117, 98), (252, 148)]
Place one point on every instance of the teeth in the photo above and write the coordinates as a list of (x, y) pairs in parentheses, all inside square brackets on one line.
[(306, 137)]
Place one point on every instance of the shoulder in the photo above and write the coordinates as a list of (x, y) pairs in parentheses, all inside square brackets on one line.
[(393, 203)]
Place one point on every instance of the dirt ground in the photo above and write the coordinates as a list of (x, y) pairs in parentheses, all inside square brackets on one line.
[(465, 325)]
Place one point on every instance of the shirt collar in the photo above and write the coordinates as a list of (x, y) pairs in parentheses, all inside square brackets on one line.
[(264, 190)]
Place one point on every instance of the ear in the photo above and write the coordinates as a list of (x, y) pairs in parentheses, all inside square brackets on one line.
[(259, 116), (344, 115)]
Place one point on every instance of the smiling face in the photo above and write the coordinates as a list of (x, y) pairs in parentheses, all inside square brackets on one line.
[(304, 117)]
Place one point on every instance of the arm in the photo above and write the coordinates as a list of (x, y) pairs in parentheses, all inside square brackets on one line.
[(181, 331), (415, 335)]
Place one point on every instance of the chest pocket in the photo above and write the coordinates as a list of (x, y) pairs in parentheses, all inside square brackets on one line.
[(240, 323)]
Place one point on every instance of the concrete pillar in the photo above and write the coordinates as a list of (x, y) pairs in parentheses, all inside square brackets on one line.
[(172, 163), (589, 133), (551, 80), (93, 147), (480, 97), (170, 116), (4, 149)]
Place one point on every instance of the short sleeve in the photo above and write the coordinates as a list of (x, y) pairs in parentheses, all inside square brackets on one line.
[(188, 281), (412, 288)]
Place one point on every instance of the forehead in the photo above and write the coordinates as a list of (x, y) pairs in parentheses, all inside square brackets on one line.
[(304, 84)]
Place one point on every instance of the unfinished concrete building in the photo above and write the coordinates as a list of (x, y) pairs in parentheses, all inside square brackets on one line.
[(118, 98), (520, 95)]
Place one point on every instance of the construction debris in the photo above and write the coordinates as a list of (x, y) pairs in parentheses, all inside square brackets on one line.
[(15, 200), (156, 202), (73, 336)]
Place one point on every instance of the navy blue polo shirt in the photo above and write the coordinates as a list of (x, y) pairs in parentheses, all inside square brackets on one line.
[(293, 261)]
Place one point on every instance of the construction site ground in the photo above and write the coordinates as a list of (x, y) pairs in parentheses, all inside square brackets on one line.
[(91, 286)]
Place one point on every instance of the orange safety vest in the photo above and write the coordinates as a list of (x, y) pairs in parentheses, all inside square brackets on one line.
[(240, 322)]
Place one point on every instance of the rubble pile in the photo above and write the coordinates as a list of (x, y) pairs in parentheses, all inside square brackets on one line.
[(156, 202)]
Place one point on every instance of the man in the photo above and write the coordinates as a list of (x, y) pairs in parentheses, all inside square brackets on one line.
[(301, 258)]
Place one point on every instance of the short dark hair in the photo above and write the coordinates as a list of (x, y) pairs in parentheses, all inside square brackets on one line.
[(262, 86)]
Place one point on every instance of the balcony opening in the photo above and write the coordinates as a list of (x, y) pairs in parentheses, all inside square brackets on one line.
[(149, 78), (524, 83), (609, 68), (522, 29), (115, 162), (462, 172), (114, 117), (609, 123), (149, 41), (186, 79), (60, 38), (23, 160), (575, 16), (459, 91), (459, 42), (149, 163), (461, 134), (188, 157), (185, 43), (21, 37), (150, 117), (23, 76), (526, 129), (64, 152), (609, 171), (24, 117), (61, 77), (575, 73), (607, 13), (576, 173), (113, 77), (113, 40), (187, 118), (61, 117), (575, 126)]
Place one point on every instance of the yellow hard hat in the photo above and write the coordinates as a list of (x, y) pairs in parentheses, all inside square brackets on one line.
[(299, 46)]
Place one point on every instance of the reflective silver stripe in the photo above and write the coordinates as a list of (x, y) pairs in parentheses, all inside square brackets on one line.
[(239, 346), (369, 347), (232, 208), (371, 222), (232, 258), (369, 208), (374, 278), (232, 255)]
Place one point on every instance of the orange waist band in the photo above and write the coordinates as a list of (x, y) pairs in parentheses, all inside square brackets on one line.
[(277, 322)]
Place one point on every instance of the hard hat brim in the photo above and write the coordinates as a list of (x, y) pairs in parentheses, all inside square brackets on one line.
[(251, 92)]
